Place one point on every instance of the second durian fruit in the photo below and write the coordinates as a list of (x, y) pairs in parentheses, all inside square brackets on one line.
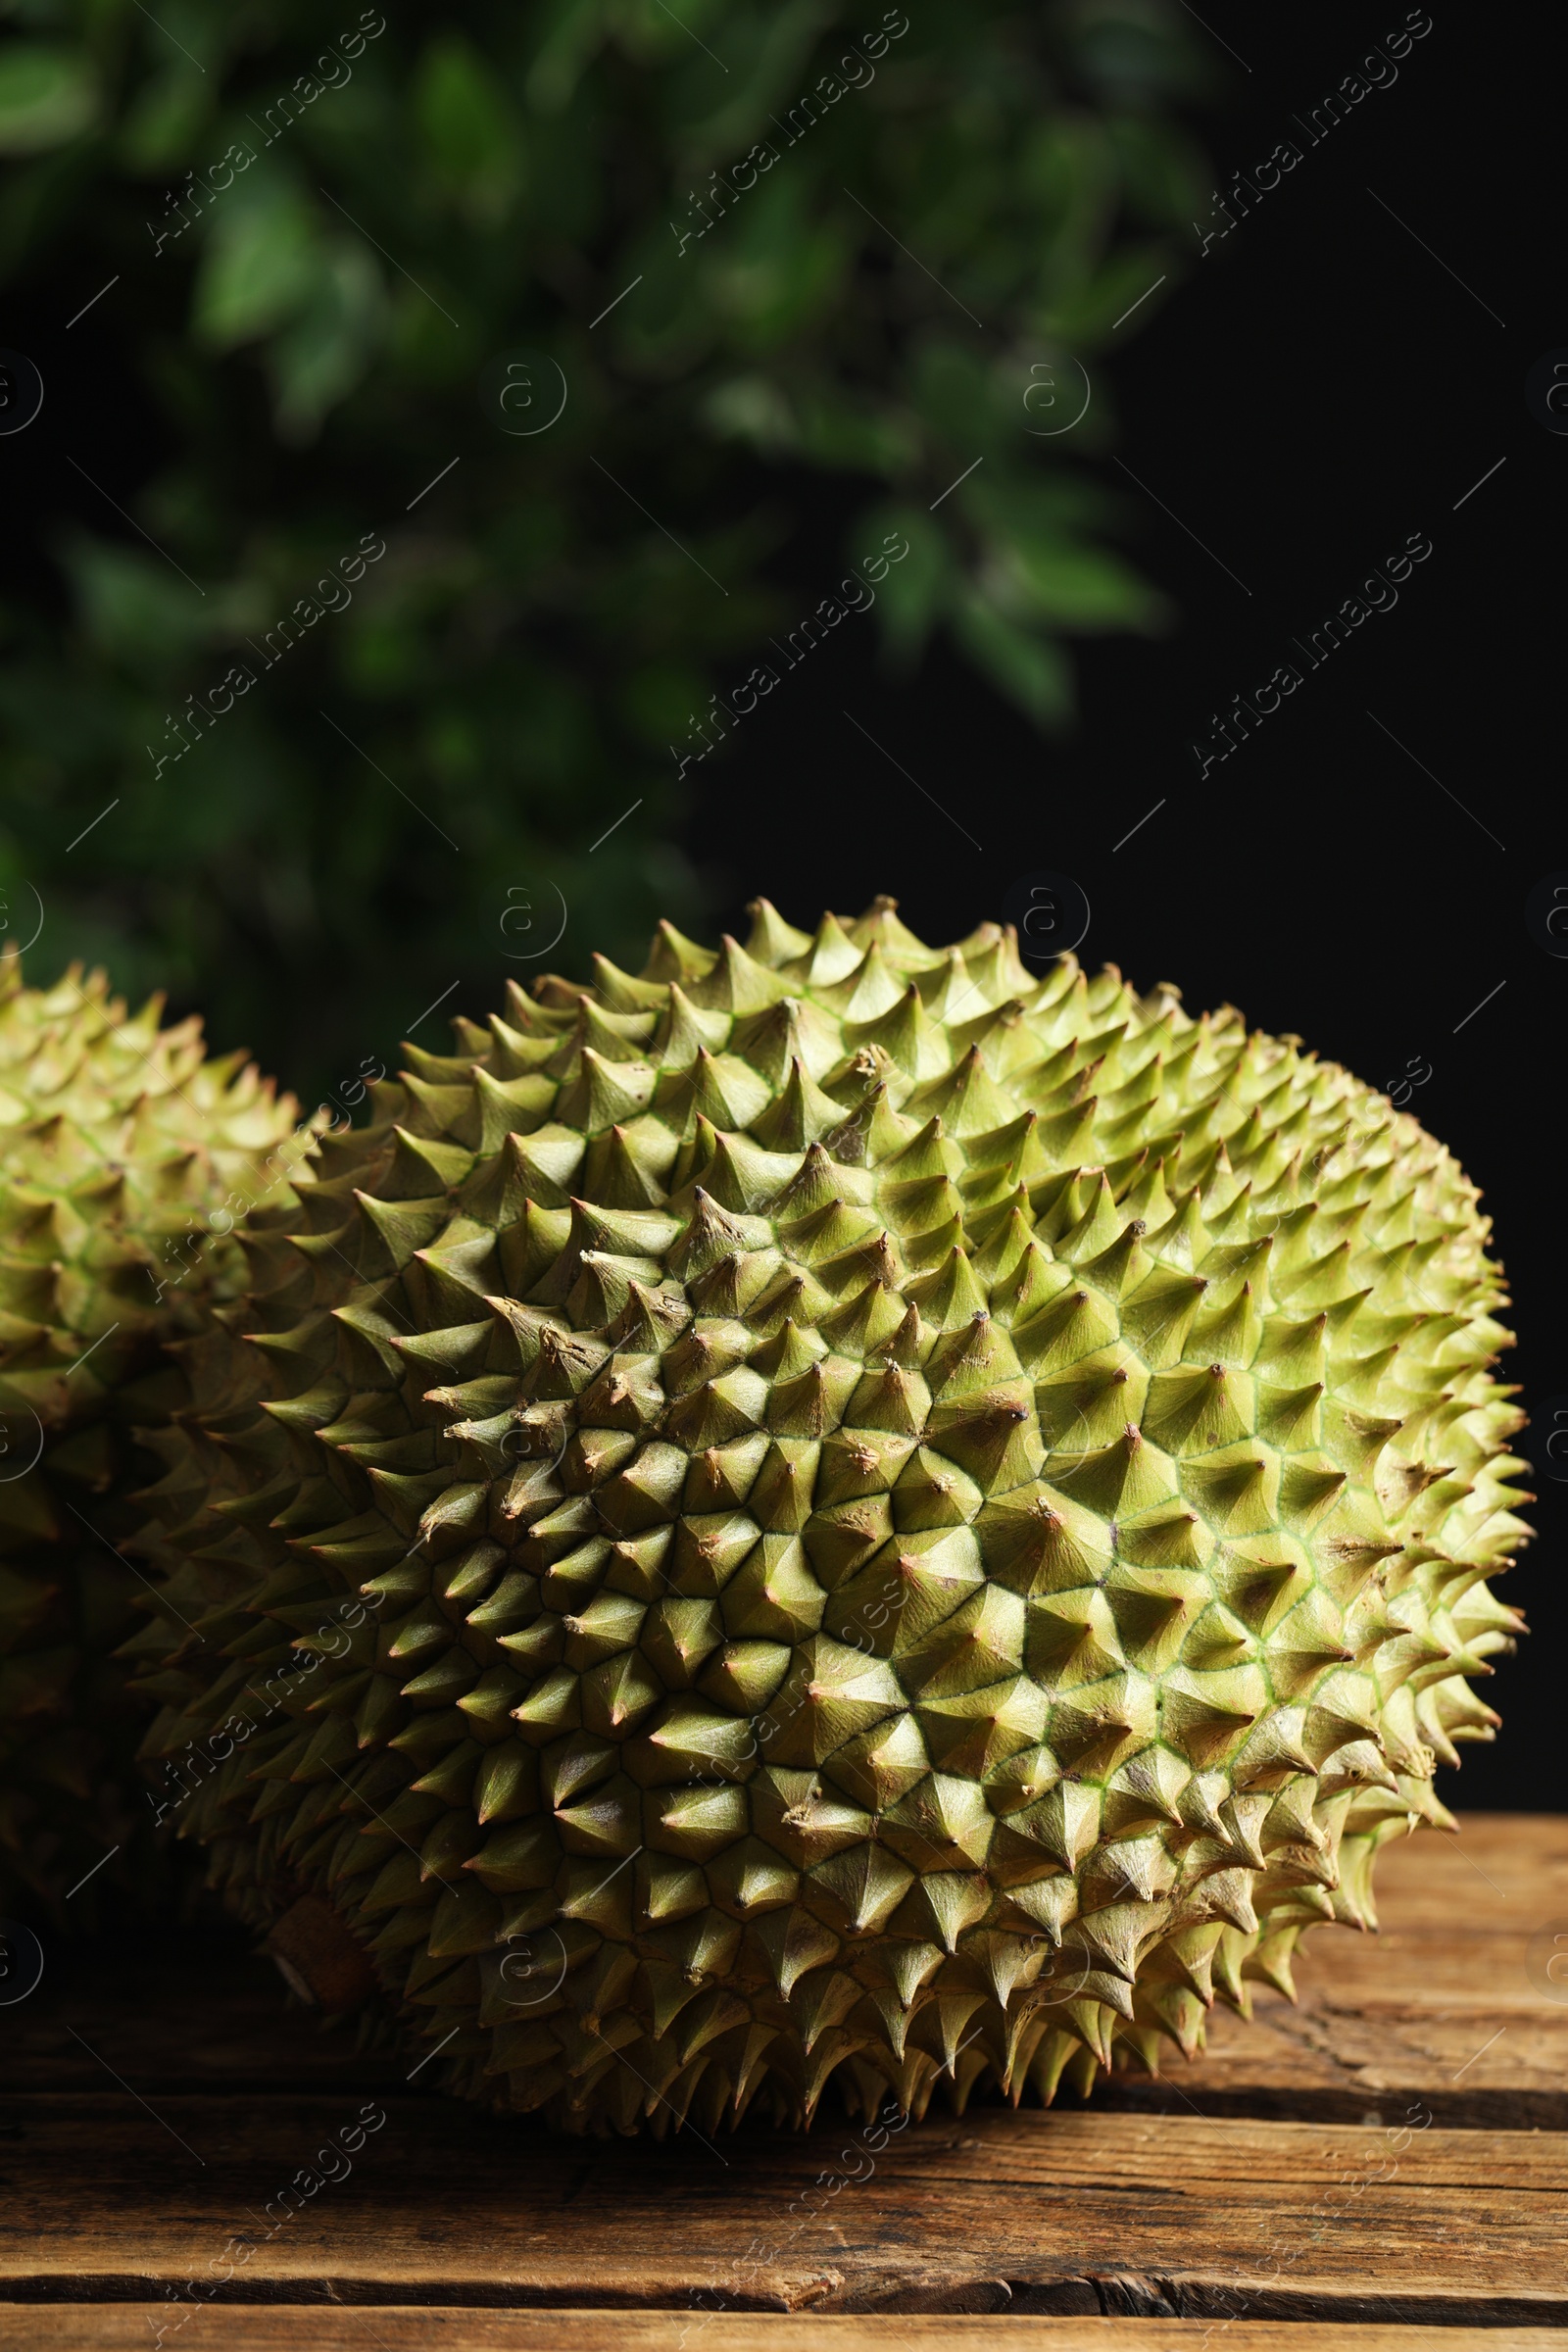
[(119, 1145), (836, 1511)]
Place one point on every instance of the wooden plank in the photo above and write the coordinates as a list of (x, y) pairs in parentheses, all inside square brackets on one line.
[(1495, 1863), (134, 2327), (1062, 2212), (162, 2102)]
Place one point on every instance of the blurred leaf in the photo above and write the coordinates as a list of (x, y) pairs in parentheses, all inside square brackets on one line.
[(911, 598), (1074, 587), (46, 97), (753, 410), (332, 339), (570, 31), (133, 609), (787, 260), (469, 131), (259, 266), (845, 436), (1032, 672), (164, 118)]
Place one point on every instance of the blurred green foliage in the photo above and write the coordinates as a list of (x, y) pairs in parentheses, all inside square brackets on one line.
[(325, 227)]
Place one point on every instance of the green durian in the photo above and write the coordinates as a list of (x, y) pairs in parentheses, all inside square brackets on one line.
[(833, 1512), (119, 1147)]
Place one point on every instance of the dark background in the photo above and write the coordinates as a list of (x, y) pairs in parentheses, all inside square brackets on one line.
[(1319, 389)]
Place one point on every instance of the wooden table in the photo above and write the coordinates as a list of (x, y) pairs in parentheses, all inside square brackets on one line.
[(1389, 2159)]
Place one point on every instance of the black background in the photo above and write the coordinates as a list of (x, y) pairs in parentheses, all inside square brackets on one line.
[(1318, 388)]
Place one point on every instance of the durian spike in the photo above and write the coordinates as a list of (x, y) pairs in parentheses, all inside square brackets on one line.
[(955, 1522)]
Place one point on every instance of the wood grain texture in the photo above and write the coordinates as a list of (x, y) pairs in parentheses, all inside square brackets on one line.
[(134, 2327), (1219, 2218), (1390, 2153)]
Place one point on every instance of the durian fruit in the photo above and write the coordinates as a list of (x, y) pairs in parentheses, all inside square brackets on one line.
[(834, 1511), (119, 1145)]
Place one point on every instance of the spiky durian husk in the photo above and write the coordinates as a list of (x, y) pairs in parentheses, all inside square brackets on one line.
[(916, 1524), (119, 1143)]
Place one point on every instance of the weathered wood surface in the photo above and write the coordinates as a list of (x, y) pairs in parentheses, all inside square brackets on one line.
[(134, 2327), (995, 2211), (1392, 2151)]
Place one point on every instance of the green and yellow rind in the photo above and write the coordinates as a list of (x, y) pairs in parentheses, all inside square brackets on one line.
[(119, 1145), (835, 1511)]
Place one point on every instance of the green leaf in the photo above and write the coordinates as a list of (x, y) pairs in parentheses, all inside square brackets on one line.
[(956, 392), (770, 266), (1076, 587), (133, 608), (161, 127), (754, 410), (1032, 672), (911, 596), (574, 31), (844, 433), (329, 345), (46, 97), (1088, 314), (469, 131), (260, 265), (767, 60)]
